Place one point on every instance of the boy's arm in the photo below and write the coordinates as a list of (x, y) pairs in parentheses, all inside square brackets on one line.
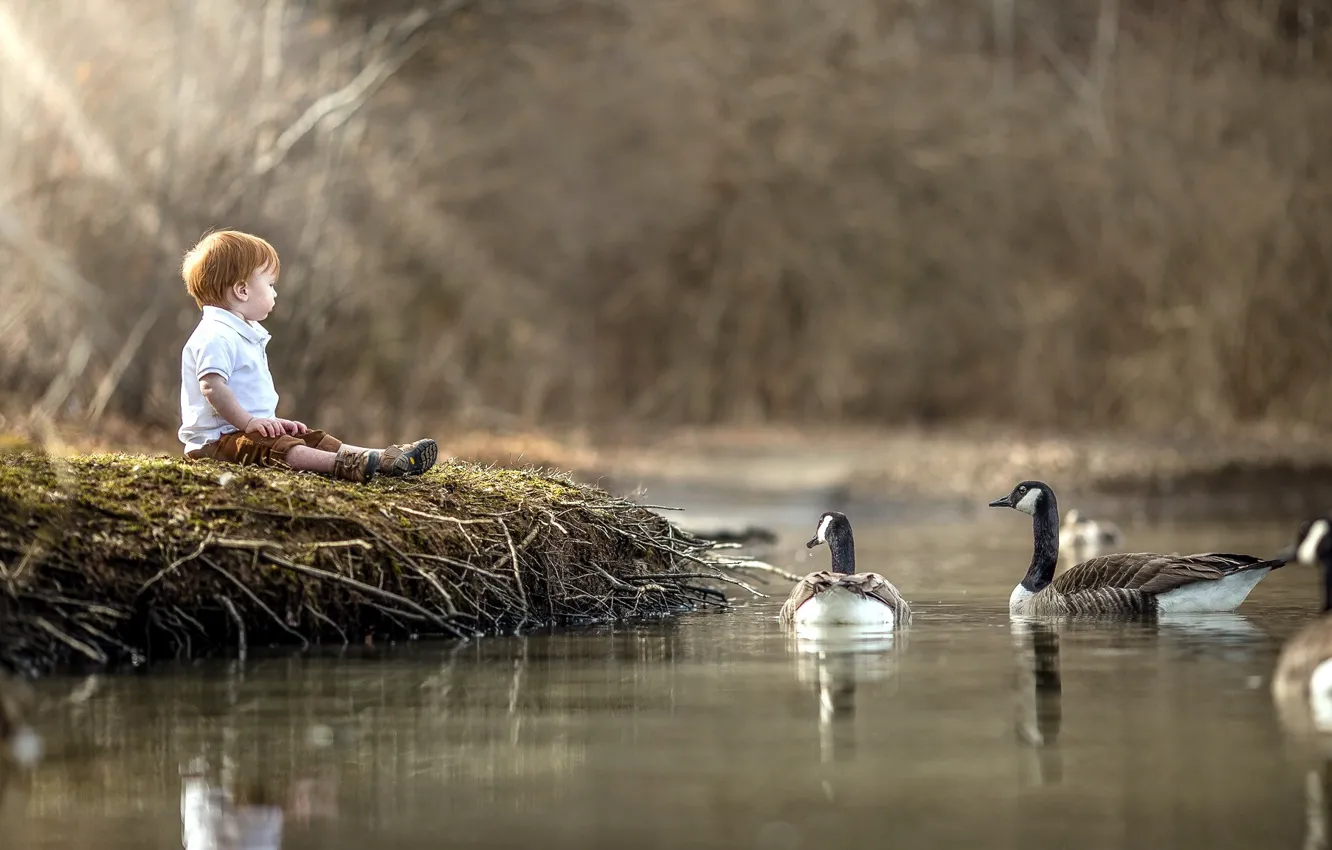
[(223, 400)]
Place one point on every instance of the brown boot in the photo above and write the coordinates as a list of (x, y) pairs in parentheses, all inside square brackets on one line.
[(410, 459), (356, 465)]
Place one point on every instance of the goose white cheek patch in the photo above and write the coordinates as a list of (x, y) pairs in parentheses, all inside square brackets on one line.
[(1308, 552), (1028, 503), (823, 529)]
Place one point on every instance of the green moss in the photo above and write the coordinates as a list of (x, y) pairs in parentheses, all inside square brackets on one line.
[(150, 552)]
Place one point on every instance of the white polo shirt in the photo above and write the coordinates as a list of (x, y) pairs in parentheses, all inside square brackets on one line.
[(225, 344)]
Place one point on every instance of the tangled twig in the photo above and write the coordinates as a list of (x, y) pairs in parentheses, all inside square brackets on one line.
[(285, 557)]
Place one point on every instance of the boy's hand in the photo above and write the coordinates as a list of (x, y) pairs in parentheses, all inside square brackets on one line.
[(265, 427), (294, 428)]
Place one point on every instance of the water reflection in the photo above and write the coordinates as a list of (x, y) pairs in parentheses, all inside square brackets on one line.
[(1310, 752), (1224, 635), (1225, 638), (833, 660), (1317, 785), (1039, 701), (712, 731), (220, 814), (21, 745), (1308, 746), (10, 802)]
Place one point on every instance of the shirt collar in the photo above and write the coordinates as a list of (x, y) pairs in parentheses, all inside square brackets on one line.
[(253, 331)]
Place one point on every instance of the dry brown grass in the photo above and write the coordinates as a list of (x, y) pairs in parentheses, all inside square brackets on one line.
[(577, 212)]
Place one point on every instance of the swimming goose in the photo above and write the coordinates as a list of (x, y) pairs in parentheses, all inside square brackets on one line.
[(843, 596), (1126, 582), (1081, 537), (1302, 683)]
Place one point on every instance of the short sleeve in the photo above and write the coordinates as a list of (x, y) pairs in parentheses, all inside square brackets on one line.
[(216, 354)]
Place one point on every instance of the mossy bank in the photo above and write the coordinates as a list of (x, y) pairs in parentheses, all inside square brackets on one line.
[(111, 558)]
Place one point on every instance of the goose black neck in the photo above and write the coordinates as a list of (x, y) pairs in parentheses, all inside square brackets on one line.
[(1045, 551), (1327, 582), (843, 548)]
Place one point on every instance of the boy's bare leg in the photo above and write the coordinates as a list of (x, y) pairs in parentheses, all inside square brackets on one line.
[(310, 460)]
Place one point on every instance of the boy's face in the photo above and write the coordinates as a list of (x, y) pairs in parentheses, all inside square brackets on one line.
[(255, 298)]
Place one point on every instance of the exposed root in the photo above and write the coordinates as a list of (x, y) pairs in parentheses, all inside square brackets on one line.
[(112, 558)]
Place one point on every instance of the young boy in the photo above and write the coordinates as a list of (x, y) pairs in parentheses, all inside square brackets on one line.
[(228, 403)]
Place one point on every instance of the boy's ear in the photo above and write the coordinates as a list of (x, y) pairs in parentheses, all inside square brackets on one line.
[(241, 290)]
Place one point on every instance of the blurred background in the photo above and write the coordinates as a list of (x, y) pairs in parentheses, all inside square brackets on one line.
[(841, 252), (609, 215)]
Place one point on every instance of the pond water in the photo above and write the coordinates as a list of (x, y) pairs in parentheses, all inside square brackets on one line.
[(718, 730)]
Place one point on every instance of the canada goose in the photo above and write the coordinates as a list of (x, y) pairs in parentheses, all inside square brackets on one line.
[(1127, 582), (1302, 683), (843, 596), (1081, 537)]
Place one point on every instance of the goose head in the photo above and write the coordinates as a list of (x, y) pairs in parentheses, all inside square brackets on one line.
[(835, 530), (833, 526), (1313, 544), (1027, 496)]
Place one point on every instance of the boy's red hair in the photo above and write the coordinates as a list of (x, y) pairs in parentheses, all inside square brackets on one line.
[(223, 259)]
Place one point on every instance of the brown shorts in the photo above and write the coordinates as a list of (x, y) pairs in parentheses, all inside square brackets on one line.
[(258, 450)]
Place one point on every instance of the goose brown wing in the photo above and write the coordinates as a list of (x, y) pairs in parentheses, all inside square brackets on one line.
[(876, 587), (1153, 574), (873, 586), (806, 589), (867, 585)]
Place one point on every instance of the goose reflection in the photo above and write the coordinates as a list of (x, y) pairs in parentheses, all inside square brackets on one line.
[(835, 660), (1317, 784), (1039, 700), (1309, 751), (253, 817), (20, 744), (1223, 635)]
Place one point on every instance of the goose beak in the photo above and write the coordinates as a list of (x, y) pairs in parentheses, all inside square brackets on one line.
[(1002, 502), (812, 543)]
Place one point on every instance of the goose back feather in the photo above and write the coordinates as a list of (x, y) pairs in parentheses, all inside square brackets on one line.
[(1140, 583), (870, 587)]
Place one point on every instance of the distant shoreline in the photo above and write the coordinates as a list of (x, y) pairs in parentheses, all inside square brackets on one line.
[(1262, 470)]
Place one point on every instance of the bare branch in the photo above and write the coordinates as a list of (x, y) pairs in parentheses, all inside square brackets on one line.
[(334, 108), (74, 643), (110, 381), (47, 258), (76, 360), (235, 618), (257, 601)]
